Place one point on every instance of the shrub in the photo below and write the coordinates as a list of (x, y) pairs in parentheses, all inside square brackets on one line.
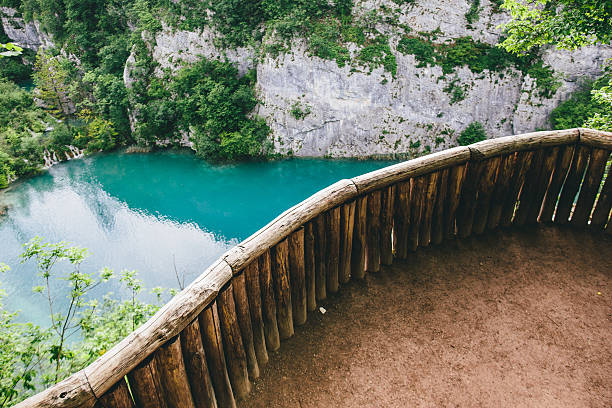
[(475, 132)]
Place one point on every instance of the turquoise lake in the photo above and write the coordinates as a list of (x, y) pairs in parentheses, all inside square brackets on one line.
[(155, 213)]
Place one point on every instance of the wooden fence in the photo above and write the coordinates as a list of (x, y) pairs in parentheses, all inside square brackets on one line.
[(206, 345)]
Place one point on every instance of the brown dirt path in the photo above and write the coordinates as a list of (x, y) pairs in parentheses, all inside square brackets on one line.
[(509, 319)]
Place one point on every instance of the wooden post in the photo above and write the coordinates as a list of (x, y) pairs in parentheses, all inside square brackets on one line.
[(523, 161), (564, 160), (590, 186), (309, 266), (235, 356), (486, 188), (215, 356), (401, 224), (419, 190), (455, 185), (145, 385), (282, 285), (502, 186), (530, 188), (572, 184), (117, 397), (437, 227), (430, 195), (373, 232), (386, 229), (320, 257), (251, 273), (195, 365), (467, 203), (359, 239), (297, 276), (268, 300), (604, 204), (333, 249), (548, 166), (347, 222), (173, 376), (243, 314)]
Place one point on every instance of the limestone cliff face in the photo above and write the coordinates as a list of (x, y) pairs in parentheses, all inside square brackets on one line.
[(364, 114), (27, 35)]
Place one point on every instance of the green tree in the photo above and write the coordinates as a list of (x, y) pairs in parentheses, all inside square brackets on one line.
[(567, 24), (51, 77), (474, 132)]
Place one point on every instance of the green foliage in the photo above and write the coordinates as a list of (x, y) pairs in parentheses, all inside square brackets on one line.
[(423, 50), (567, 24), (80, 329), (298, 111), (474, 132), (602, 120), (473, 13), (455, 90)]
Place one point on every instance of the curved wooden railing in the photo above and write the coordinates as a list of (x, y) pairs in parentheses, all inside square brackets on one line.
[(205, 346)]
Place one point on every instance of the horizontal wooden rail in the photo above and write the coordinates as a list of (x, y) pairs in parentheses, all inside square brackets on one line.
[(206, 345)]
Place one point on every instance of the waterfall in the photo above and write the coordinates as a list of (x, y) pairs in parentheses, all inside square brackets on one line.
[(50, 158)]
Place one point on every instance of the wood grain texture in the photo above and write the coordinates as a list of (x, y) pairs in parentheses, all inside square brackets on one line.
[(347, 223), (297, 276), (437, 226), (235, 356), (268, 301), (431, 193), (145, 385), (332, 267), (528, 141), (255, 307), (418, 193), (358, 256), (530, 188), (522, 164), (596, 138), (117, 397), (373, 232), (215, 356), (401, 222), (590, 186), (486, 187), (386, 227), (243, 313), (173, 376), (467, 203), (604, 204), (309, 266), (548, 167), (196, 367), (572, 184), (500, 192), (282, 286), (455, 184), (320, 258), (564, 159)]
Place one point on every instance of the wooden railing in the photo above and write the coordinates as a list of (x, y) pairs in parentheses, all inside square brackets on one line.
[(205, 346)]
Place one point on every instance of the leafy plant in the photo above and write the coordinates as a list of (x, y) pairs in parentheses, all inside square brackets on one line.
[(474, 132)]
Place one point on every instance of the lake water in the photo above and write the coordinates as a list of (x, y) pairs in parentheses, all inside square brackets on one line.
[(155, 213)]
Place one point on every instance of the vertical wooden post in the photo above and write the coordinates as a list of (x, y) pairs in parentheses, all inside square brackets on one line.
[(467, 203), (195, 365), (243, 314), (359, 239), (251, 273), (430, 195), (215, 356), (235, 356), (530, 187), (419, 190), (604, 204), (564, 160), (401, 224), (485, 189), (320, 257), (309, 266), (117, 397), (373, 232), (297, 276), (145, 385), (333, 249), (282, 285), (386, 229), (548, 166), (502, 186), (522, 164), (347, 222), (268, 302), (572, 184), (437, 227), (590, 186), (455, 185), (173, 376)]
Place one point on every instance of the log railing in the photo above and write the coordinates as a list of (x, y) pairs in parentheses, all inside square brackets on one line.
[(204, 347)]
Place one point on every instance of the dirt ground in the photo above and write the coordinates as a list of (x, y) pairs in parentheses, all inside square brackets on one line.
[(518, 318)]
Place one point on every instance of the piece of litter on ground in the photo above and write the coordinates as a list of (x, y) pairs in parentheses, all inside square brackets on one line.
[(322, 310)]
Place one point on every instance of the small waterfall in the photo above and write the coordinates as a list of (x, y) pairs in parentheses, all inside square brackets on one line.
[(76, 152), (49, 159)]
